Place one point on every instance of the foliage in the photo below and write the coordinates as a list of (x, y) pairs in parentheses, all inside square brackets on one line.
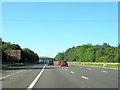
[(30, 56), (60, 56), (91, 53), (27, 55)]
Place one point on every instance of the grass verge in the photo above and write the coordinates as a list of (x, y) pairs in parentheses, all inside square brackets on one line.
[(115, 66)]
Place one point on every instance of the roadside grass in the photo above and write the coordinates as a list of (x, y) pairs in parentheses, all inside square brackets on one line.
[(11, 64), (97, 65), (108, 66), (5, 66), (116, 66)]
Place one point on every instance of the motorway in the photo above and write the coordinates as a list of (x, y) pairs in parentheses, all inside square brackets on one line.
[(73, 76)]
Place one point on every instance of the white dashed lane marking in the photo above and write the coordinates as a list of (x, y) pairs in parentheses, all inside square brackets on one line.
[(66, 69), (84, 77), (104, 71), (72, 72), (89, 69)]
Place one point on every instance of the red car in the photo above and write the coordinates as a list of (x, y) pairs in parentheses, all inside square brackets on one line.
[(59, 63), (64, 63)]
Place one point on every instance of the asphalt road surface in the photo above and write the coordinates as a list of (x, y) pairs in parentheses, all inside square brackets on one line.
[(73, 76)]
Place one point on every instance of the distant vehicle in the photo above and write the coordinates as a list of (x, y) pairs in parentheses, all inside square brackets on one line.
[(64, 63), (59, 63), (50, 62)]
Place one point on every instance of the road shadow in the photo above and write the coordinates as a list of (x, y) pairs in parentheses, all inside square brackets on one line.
[(30, 68)]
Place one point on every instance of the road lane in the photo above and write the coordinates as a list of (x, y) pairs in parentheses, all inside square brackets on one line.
[(36, 79), (22, 79), (84, 69), (11, 74), (96, 77), (81, 78), (55, 76), (15, 69)]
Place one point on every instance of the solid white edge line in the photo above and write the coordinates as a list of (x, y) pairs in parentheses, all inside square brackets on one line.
[(36, 79), (10, 75), (84, 77)]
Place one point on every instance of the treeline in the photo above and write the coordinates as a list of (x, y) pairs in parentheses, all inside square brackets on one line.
[(90, 53), (27, 55)]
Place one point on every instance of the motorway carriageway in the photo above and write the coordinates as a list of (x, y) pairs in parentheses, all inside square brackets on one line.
[(73, 76)]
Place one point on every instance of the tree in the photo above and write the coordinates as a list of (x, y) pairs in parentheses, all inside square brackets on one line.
[(91, 53), (30, 56), (59, 57), (26, 54)]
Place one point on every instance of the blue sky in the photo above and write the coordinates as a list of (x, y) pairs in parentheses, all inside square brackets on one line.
[(51, 27)]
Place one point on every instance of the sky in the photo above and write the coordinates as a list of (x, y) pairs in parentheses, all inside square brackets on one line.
[(48, 28)]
